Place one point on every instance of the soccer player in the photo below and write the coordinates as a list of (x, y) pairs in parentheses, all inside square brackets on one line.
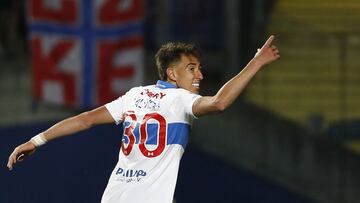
[(156, 120)]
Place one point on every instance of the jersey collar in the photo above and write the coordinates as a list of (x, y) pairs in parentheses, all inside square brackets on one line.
[(164, 85)]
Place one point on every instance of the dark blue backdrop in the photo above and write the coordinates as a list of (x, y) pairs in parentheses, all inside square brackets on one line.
[(76, 169)]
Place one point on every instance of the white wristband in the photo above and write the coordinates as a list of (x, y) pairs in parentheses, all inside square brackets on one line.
[(38, 140)]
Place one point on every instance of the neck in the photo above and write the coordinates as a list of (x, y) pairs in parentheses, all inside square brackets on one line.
[(171, 81)]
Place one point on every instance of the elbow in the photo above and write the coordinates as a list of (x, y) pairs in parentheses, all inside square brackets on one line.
[(220, 106)]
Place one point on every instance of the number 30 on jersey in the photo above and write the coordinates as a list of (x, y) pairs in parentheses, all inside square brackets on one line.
[(144, 135)]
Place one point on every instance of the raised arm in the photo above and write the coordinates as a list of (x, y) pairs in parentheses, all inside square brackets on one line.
[(63, 128), (233, 88)]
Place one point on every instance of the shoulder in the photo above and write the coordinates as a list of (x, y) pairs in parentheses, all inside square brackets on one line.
[(184, 96), (180, 91), (137, 90), (187, 93)]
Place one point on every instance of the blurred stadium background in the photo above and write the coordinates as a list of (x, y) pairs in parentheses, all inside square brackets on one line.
[(293, 136)]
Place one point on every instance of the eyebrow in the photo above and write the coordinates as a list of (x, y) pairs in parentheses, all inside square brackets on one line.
[(200, 65)]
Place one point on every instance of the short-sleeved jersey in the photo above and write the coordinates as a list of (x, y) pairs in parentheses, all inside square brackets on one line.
[(156, 123)]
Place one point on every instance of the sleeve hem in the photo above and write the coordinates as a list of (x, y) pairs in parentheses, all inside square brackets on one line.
[(108, 107)]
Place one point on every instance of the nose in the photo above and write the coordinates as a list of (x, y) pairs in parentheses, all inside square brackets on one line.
[(199, 75)]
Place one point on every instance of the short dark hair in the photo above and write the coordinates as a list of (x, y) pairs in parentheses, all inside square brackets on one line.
[(171, 52)]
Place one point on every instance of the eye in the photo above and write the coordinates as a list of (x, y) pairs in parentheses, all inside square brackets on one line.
[(191, 68)]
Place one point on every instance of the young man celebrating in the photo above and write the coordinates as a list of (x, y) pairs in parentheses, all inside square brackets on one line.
[(156, 121)]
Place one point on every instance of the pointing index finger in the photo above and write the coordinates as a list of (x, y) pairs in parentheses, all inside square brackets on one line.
[(269, 41)]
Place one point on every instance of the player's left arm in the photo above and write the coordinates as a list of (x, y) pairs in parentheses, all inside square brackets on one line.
[(233, 88)]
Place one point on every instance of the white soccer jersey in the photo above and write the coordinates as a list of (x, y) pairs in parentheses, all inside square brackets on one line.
[(156, 121)]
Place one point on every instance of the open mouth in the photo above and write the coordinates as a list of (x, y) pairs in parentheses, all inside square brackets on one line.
[(196, 84)]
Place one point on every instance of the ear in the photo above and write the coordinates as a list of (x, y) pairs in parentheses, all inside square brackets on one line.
[(170, 72)]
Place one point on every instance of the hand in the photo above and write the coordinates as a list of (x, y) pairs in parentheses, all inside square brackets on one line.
[(20, 153), (268, 52)]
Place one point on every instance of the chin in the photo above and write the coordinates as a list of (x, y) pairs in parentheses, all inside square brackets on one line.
[(196, 91)]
